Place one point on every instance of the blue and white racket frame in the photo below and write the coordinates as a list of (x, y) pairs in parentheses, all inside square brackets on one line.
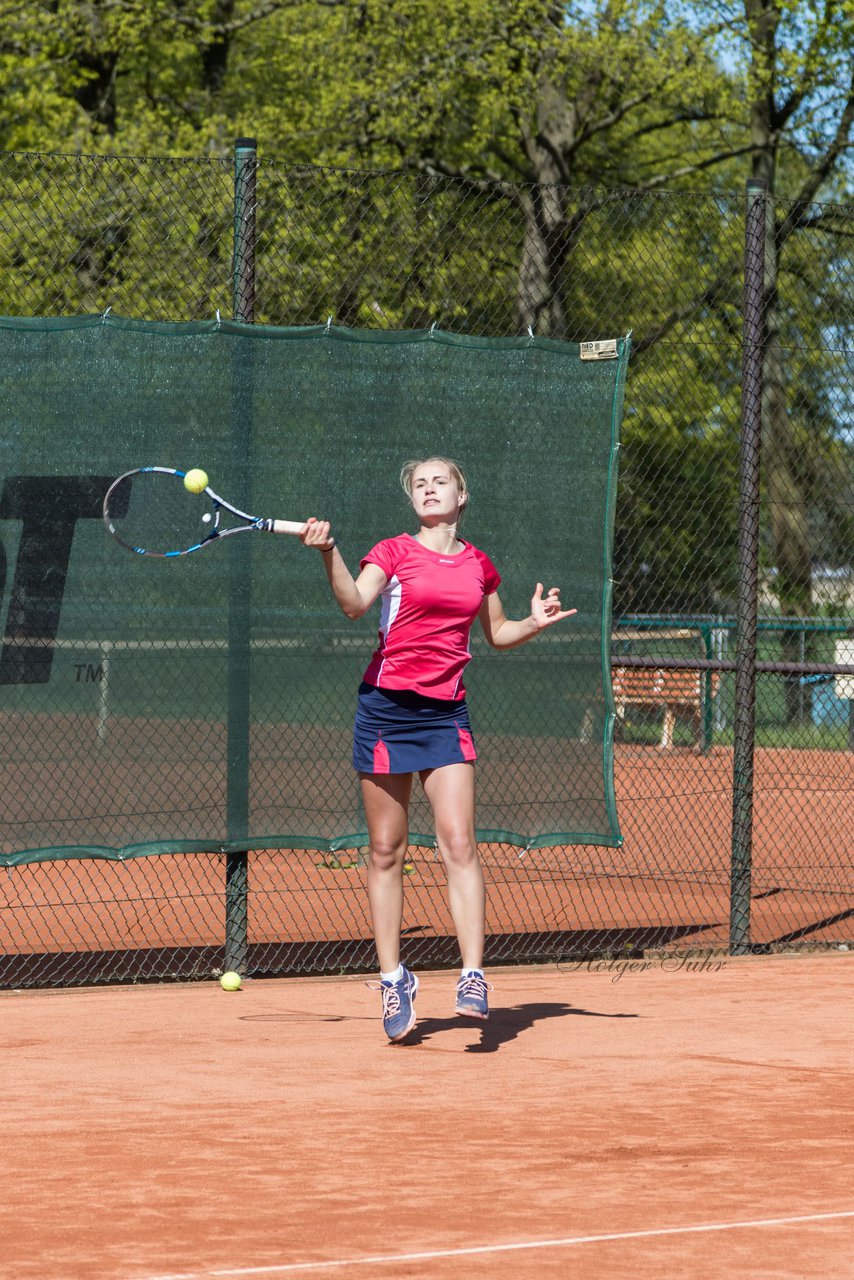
[(251, 524)]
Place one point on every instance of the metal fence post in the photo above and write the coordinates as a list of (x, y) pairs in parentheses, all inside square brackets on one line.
[(243, 287), (707, 699), (240, 552), (744, 720)]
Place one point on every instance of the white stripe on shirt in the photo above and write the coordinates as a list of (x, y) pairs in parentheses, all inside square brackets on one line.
[(392, 594)]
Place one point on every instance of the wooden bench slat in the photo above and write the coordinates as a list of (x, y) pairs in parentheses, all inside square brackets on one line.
[(662, 688)]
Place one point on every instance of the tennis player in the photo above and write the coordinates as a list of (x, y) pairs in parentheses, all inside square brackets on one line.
[(412, 716)]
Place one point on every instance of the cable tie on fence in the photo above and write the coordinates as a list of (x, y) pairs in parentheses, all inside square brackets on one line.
[(433, 326), (218, 318), (329, 324), (530, 334), (104, 314)]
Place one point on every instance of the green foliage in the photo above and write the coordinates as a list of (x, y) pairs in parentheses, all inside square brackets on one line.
[(457, 99)]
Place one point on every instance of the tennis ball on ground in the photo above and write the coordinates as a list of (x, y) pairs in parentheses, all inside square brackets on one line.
[(196, 480), (230, 981)]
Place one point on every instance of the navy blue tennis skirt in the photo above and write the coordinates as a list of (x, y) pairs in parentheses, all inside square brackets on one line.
[(401, 732)]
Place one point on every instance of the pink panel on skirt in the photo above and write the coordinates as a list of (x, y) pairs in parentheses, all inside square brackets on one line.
[(381, 757), (466, 744)]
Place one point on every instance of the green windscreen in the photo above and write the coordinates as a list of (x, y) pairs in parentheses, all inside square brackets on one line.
[(206, 702)]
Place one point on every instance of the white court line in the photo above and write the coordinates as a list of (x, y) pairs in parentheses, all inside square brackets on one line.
[(435, 1255)]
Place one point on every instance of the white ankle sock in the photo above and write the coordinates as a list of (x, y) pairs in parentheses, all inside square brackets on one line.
[(471, 973), (392, 977)]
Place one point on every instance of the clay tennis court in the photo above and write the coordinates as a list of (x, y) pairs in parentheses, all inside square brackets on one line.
[(611, 1120), (72, 921)]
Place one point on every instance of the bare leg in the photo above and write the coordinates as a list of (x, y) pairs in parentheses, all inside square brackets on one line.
[(386, 801), (450, 790)]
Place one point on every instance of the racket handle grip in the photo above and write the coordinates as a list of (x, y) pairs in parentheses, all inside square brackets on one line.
[(286, 526)]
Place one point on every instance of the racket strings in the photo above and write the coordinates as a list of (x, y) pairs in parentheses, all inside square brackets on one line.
[(153, 513)]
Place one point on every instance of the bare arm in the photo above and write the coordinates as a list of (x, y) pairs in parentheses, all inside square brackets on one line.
[(354, 595), (508, 633)]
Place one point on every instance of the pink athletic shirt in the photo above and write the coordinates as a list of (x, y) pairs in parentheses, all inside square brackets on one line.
[(427, 608)]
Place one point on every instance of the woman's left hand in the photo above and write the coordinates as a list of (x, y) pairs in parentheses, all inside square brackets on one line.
[(546, 610)]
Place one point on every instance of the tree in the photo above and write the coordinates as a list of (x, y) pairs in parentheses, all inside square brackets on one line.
[(631, 92), (800, 96)]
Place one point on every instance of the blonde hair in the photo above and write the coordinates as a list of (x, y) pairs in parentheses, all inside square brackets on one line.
[(409, 468)]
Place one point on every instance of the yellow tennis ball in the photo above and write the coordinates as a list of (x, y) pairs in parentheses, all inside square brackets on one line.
[(196, 480), (230, 981)]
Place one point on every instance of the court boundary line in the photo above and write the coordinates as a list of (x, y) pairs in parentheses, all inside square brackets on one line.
[(433, 1255)]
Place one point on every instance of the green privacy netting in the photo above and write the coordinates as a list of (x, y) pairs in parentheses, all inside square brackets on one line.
[(206, 703)]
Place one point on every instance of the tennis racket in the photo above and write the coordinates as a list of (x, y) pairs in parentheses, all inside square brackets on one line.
[(151, 512)]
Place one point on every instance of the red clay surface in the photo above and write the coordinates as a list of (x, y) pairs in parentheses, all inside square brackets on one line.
[(673, 870), (699, 1116)]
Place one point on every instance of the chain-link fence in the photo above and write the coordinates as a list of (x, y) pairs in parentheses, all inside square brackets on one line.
[(733, 645)]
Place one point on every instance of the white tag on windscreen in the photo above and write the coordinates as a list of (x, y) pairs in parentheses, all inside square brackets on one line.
[(603, 350)]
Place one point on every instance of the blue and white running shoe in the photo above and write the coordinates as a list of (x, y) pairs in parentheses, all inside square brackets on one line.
[(472, 996), (398, 1005)]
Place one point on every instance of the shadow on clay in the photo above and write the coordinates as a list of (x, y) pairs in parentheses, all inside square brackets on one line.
[(503, 1026)]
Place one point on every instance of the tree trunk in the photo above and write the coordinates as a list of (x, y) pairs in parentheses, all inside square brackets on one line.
[(790, 534), (97, 95), (540, 303), (789, 527), (214, 54)]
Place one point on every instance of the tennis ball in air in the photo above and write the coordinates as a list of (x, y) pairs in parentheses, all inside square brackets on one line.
[(196, 480), (230, 981)]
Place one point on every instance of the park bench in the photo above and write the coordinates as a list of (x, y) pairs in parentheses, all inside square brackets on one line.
[(679, 694)]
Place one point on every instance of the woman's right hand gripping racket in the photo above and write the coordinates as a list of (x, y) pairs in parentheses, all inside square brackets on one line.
[(161, 511)]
